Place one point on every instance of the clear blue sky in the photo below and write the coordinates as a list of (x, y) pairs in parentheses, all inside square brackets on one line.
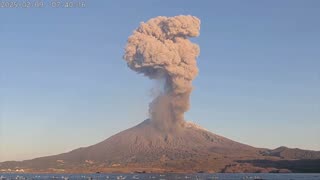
[(64, 84)]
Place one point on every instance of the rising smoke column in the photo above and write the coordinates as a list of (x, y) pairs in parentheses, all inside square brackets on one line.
[(160, 49)]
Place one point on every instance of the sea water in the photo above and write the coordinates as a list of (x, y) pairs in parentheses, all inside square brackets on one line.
[(220, 176)]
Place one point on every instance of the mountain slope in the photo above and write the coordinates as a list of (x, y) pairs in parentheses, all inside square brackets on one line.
[(145, 147)]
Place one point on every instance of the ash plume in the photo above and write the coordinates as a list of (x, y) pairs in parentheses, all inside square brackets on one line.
[(160, 50)]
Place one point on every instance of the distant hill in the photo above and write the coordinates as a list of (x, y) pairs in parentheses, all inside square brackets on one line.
[(144, 148), (287, 153)]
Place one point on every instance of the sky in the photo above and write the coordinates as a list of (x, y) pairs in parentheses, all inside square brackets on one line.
[(64, 84)]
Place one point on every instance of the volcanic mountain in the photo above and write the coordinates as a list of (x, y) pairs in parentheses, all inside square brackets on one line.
[(145, 148), (161, 50)]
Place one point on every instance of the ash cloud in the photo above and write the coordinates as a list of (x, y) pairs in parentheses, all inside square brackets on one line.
[(160, 49)]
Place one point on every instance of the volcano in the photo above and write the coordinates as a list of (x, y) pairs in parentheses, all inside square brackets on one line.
[(160, 49), (145, 148)]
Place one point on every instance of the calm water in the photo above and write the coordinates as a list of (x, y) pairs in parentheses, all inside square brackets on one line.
[(162, 176)]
